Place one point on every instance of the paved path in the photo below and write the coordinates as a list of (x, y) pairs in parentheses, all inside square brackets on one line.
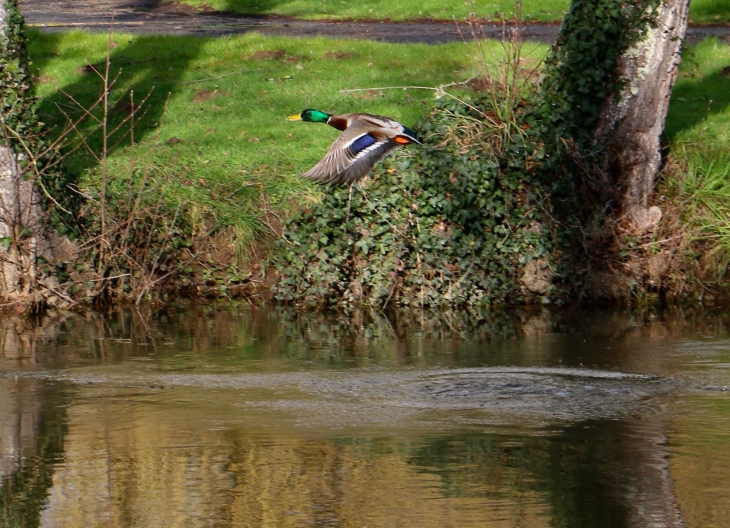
[(156, 17)]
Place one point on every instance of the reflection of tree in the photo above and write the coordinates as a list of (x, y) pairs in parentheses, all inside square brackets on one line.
[(611, 474), (23, 492), (597, 474), (580, 480), (496, 466), (32, 421)]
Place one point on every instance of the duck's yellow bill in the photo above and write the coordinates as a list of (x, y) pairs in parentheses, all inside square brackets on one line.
[(297, 117)]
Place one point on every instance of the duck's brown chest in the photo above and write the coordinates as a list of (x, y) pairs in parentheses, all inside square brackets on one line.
[(337, 122)]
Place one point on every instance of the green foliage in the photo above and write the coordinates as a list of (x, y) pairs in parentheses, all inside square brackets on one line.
[(146, 240), (697, 175), (538, 10), (454, 224), (16, 81), (699, 114), (698, 185)]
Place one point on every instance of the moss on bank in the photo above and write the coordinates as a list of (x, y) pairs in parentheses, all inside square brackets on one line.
[(448, 224)]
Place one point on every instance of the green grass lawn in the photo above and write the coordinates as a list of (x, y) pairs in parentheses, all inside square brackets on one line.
[(223, 145), (701, 98), (698, 133), (701, 11)]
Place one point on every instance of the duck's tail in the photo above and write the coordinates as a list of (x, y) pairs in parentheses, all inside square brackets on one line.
[(407, 136)]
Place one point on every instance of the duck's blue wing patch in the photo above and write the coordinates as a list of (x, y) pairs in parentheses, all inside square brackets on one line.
[(361, 143)]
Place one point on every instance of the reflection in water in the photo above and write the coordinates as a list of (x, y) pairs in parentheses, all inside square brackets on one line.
[(32, 432), (700, 448), (613, 474), (246, 417), (598, 339)]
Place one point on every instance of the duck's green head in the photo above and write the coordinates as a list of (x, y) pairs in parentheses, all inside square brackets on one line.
[(313, 116)]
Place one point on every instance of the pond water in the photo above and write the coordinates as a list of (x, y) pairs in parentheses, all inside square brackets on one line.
[(243, 416)]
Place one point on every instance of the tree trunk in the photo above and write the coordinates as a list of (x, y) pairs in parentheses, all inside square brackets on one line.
[(634, 121), (20, 214), (24, 235)]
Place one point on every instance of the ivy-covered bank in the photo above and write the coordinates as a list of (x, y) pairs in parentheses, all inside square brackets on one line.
[(452, 223), (491, 210)]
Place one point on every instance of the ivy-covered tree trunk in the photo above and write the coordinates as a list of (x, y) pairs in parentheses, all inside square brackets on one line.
[(25, 240), (608, 80), (607, 87), (631, 122)]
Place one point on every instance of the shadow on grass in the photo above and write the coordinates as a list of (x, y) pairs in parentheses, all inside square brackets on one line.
[(51, 43), (695, 99), (146, 65)]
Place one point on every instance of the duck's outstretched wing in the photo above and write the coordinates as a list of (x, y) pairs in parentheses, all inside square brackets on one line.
[(352, 155)]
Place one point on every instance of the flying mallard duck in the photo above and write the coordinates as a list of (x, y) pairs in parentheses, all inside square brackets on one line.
[(365, 140)]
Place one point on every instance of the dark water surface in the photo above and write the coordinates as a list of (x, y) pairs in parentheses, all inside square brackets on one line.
[(239, 416)]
